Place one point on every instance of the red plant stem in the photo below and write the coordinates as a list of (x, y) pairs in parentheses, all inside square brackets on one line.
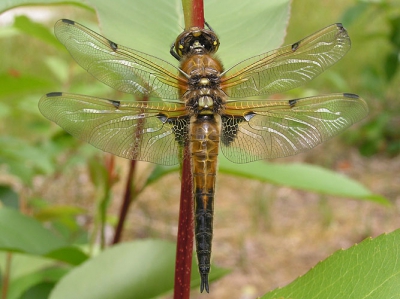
[(184, 249), (198, 14), (128, 195), (6, 276), (193, 11)]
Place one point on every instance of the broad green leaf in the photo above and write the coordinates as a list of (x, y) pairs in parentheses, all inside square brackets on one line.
[(71, 255), (39, 291), (301, 176), (37, 30), (368, 270), (152, 26), (24, 264), (24, 283), (24, 234), (8, 197), (9, 4), (141, 269)]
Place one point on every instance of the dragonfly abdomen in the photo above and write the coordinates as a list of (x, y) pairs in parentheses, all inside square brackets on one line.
[(204, 144)]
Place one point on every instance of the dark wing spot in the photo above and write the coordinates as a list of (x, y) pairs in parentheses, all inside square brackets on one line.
[(295, 46), (249, 116), (116, 104), (351, 95), (68, 21), (54, 94), (292, 103), (113, 45), (162, 117), (340, 26)]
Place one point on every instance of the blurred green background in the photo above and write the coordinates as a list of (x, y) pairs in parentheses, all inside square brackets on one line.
[(41, 165)]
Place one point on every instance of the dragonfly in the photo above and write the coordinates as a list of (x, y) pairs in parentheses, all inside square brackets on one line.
[(201, 106)]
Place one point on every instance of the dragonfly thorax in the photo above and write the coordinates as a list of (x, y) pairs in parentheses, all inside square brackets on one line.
[(203, 94)]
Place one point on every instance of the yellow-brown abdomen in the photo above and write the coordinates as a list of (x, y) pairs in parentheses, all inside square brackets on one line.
[(204, 144)]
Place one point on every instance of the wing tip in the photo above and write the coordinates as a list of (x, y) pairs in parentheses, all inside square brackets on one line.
[(67, 21), (54, 94), (350, 95)]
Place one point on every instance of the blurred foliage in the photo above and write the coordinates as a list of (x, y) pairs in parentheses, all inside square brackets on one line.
[(381, 75), (35, 153), (370, 69)]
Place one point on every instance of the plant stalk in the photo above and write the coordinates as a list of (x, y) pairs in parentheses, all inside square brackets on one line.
[(193, 11)]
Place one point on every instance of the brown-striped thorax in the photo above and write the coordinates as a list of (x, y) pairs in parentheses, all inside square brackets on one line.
[(195, 49)]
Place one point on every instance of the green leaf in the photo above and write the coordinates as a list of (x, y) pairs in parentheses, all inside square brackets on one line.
[(391, 64), (8, 197), (71, 255), (20, 286), (261, 25), (37, 30), (51, 213), (98, 172), (301, 176), (24, 234), (141, 269), (160, 171), (395, 32), (24, 159), (370, 269), (9, 4), (39, 291), (22, 84)]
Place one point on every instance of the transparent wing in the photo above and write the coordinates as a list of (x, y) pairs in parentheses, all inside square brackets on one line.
[(270, 129), (139, 130), (287, 67), (124, 69)]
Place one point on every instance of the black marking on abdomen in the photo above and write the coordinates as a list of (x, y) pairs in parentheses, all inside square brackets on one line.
[(203, 234)]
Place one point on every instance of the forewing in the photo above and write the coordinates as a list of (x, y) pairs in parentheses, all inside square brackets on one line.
[(287, 67), (139, 130), (124, 69), (273, 129)]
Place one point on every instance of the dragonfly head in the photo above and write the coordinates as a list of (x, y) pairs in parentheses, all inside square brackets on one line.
[(196, 40)]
